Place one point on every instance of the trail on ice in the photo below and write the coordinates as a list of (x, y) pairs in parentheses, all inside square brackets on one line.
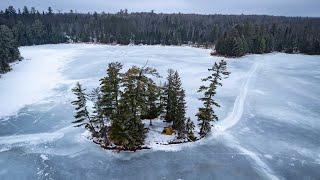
[(235, 115), (233, 118), (230, 141)]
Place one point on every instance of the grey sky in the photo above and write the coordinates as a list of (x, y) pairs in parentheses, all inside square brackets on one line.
[(269, 7)]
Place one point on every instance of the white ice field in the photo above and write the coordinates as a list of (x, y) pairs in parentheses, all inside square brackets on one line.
[(269, 124)]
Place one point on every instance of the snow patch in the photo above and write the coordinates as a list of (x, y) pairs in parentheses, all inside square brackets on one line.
[(154, 135), (268, 156), (44, 157), (260, 92), (31, 80)]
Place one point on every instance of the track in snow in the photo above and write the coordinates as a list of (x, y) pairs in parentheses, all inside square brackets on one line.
[(233, 118), (235, 115)]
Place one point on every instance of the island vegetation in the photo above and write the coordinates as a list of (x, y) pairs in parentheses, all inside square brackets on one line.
[(125, 100)]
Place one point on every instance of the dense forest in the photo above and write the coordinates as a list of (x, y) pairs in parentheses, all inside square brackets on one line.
[(8, 49), (233, 35)]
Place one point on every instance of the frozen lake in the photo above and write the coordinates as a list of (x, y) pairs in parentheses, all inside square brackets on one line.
[(269, 124)]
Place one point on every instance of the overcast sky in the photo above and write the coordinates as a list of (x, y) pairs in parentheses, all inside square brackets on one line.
[(268, 7)]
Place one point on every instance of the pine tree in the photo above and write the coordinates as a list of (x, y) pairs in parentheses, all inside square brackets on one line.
[(175, 102), (127, 129), (9, 51), (162, 99), (169, 96), (37, 32), (189, 130), (120, 132), (133, 90), (110, 89), (50, 11), (179, 106), (95, 96), (262, 45), (152, 110), (221, 46), (82, 116), (135, 82), (97, 118), (239, 47), (136, 133), (206, 113), (25, 10), (4, 67)]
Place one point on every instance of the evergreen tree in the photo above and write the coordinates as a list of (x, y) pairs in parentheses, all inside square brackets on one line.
[(179, 106), (33, 10), (175, 104), (169, 97), (233, 46), (162, 99), (259, 45), (82, 117), (315, 47), (135, 82), (120, 132), (4, 67), (239, 47), (97, 118), (25, 10), (206, 113), (37, 32), (152, 110), (50, 11), (11, 11), (189, 130), (127, 129), (110, 89), (221, 46), (8, 49)]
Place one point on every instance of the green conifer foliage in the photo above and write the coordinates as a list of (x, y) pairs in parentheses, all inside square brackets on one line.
[(110, 89), (152, 110), (206, 113), (169, 97), (127, 129), (189, 130), (82, 117), (8, 49), (179, 108), (175, 104), (97, 118)]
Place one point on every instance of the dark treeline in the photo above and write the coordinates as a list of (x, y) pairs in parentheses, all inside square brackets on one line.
[(233, 35), (8, 49)]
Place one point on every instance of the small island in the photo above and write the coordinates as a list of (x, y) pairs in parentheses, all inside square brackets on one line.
[(130, 108)]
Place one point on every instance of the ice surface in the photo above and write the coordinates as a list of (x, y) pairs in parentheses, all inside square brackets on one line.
[(237, 111), (32, 79), (269, 117)]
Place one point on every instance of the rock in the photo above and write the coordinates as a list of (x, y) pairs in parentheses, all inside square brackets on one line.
[(167, 131)]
